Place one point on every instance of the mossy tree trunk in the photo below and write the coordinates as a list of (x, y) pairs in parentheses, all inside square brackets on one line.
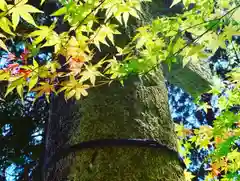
[(137, 110)]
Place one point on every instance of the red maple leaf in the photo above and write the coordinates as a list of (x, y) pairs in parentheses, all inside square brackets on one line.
[(12, 66), (24, 55), (11, 56), (25, 72)]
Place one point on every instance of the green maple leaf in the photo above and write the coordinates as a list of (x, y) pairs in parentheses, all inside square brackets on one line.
[(23, 10), (3, 5), (47, 33), (5, 25)]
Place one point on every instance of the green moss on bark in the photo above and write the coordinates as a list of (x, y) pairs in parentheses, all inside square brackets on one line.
[(126, 164), (137, 110)]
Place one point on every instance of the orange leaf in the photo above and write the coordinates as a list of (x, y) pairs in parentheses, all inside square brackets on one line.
[(215, 169), (218, 140)]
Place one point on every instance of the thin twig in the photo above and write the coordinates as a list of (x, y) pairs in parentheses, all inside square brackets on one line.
[(185, 46), (80, 23)]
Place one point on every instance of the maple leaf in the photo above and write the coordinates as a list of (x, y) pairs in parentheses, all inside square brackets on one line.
[(105, 31), (76, 51), (230, 31), (12, 66), (44, 89), (43, 33), (75, 66), (5, 25), (25, 73), (24, 56), (187, 161), (188, 175), (236, 15), (224, 164), (205, 106), (73, 87), (2, 44), (23, 10), (4, 75), (214, 169), (218, 140), (3, 5), (11, 56)]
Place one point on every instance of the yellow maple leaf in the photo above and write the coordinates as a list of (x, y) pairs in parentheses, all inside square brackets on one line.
[(23, 10), (188, 175), (236, 15)]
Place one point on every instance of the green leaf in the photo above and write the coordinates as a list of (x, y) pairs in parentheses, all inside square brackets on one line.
[(213, 25), (171, 33), (5, 25), (185, 61), (3, 46), (236, 15), (134, 13), (47, 33), (105, 31), (52, 40), (20, 90), (175, 2), (230, 31), (33, 81), (225, 147), (23, 10), (60, 12), (69, 94), (125, 18), (83, 92), (42, 1), (4, 75), (35, 64), (78, 94), (15, 19), (3, 5), (28, 18), (10, 88), (20, 2), (30, 9)]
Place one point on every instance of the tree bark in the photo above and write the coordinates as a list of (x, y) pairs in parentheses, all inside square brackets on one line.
[(186, 77), (137, 110)]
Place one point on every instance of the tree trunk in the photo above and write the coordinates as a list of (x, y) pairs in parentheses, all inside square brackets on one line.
[(139, 110)]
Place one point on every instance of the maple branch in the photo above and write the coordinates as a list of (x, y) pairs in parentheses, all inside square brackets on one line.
[(209, 20), (80, 23), (197, 38)]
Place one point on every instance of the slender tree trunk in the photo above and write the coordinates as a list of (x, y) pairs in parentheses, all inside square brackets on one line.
[(137, 110)]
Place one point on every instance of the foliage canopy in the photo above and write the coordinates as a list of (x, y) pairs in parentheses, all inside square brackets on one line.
[(97, 26)]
